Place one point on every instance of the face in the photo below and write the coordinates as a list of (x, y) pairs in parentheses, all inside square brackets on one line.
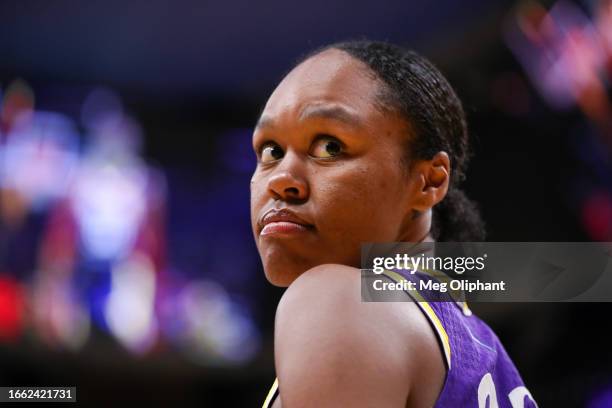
[(329, 175)]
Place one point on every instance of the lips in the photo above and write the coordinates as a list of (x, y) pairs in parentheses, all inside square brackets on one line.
[(282, 221)]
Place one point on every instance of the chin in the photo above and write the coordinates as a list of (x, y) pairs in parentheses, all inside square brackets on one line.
[(281, 273), (280, 279), (282, 266)]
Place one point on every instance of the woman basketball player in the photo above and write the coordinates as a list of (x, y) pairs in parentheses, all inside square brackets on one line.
[(367, 142)]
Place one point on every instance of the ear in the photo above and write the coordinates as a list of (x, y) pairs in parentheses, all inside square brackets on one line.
[(432, 178)]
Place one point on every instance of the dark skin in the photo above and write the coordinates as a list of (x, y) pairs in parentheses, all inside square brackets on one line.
[(332, 157)]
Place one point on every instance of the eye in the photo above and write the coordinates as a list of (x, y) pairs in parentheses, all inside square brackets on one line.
[(271, 152), (326, 147)]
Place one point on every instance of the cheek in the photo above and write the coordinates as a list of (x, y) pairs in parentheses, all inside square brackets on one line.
[(361, 204), (257, 199)]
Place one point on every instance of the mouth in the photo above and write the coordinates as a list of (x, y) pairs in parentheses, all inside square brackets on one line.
[(284, 222)]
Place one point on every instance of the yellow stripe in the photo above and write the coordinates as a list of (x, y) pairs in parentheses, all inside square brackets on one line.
[(271, 393), (429, 312), (443, 277), (466, 309)]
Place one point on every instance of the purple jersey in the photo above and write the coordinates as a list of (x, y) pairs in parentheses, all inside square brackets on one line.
[(480, 373), (479, 370)]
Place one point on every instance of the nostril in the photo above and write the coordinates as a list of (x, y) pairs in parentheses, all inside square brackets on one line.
[(292, 191)]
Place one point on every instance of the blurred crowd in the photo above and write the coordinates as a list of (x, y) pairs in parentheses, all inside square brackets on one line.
[(83, 243), (566, 51)]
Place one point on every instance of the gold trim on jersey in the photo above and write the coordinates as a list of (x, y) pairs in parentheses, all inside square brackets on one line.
[(271, 394), (429, 312)]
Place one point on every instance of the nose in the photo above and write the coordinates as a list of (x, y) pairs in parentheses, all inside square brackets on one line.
[(288, 182)]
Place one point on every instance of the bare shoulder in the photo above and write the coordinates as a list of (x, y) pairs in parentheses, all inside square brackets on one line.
[(333, 349)]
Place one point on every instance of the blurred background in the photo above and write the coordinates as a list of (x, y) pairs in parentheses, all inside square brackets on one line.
[(127, 264)]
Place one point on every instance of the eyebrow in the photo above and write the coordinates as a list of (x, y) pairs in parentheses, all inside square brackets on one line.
[(334, 112)]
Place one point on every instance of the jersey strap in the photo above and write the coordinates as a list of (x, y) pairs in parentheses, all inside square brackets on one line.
[(429, 313), (272, 395)]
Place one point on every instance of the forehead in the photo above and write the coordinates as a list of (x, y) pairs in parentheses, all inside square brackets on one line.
[(333, 77)]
